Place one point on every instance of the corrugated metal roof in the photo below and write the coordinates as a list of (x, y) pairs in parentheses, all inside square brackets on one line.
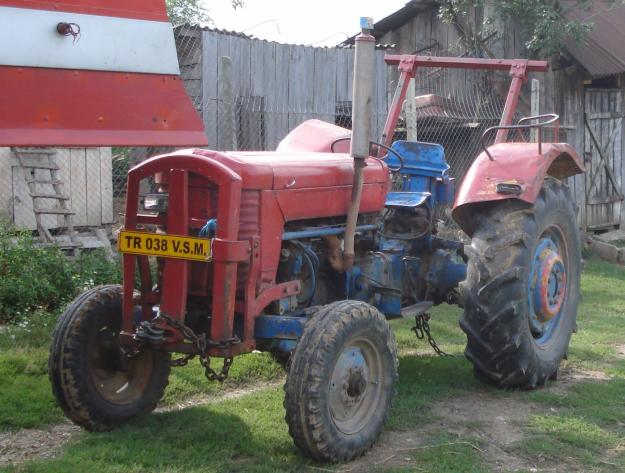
[(192, 29), (396, 19), (602, 51), (382, 46)]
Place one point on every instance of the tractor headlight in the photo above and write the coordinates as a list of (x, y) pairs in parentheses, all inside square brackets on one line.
[(155, 202)]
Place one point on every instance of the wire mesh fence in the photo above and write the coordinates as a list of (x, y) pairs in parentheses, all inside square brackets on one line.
[(451, 107)]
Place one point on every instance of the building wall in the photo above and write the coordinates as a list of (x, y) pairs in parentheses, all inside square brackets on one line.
[(562, 91), (87, 177)]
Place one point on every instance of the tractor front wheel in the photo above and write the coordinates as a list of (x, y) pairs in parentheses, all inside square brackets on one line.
[(341, 382), (95, 383), (522, 288)]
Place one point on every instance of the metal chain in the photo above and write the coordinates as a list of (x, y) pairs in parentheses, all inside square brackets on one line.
[(182, 361), (422, 330), (213, 375), (200, 343)]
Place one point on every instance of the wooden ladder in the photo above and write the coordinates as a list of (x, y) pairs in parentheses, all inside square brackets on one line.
[(31, 160)]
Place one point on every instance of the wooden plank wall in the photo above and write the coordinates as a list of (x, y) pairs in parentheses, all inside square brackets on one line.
[(87, 177), (277, 87), (564, 95), (604, 114), (190, 61)]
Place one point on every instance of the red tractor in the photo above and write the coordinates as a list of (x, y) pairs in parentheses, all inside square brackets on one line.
[(305, 252)]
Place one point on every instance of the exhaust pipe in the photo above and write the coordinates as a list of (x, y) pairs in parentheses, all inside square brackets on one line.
[(364, 62)]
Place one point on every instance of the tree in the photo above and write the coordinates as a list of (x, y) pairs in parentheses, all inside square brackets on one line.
[(192, 11), (543, 21)]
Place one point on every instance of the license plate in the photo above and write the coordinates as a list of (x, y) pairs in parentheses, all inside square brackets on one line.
[(170, 246)]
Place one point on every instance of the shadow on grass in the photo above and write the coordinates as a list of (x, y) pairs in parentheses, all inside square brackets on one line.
[(241, 435), (26, 399)]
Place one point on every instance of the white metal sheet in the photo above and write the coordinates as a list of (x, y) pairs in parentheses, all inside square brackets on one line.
[(29, 38)]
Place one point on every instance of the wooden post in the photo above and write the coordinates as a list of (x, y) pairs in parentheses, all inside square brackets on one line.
[(410, 112), (535, 107), (228, 123)]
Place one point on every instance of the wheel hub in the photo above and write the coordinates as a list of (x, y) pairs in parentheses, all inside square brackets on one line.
[(118, 379), (353, 388), (547, 290), (356, 384)]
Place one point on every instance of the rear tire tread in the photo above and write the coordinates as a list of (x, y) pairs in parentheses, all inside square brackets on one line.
[(495, 316)]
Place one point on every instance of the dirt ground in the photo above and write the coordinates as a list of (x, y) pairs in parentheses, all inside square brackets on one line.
[(30, 444), (494, 420)]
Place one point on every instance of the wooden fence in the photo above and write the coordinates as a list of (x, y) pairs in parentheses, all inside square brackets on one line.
[(269, 88)]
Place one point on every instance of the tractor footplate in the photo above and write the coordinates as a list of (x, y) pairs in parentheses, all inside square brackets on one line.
[(416, 309)]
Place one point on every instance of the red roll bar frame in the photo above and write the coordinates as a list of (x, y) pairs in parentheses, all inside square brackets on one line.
[(408, 64)]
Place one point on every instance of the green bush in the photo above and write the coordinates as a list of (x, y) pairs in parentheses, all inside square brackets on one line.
[(34, 277)]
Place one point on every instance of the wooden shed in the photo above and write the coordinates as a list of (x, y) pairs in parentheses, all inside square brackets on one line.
[(586, 87), (84, 175)]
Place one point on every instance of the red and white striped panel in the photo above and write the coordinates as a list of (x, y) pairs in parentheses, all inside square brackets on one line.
[(117, 83)]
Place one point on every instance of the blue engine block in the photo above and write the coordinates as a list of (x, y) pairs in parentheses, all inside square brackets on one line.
[(399, 269)]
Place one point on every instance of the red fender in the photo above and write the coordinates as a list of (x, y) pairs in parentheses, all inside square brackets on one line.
[(513, 163)]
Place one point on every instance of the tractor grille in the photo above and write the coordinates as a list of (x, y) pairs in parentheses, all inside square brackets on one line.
[(249, 226), (201, 281)]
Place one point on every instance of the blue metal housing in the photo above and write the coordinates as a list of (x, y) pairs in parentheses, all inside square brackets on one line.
[(279, 332), (398, 269)]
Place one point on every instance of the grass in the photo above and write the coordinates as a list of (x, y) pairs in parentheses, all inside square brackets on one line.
[(26, 399), (587, 424), (450, 454), (579, 428)]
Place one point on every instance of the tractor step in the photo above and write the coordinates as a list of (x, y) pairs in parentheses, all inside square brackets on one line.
[(416, 309)]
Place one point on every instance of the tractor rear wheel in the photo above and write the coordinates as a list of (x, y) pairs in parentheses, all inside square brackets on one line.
[(522, 288), (97, 386), (341, 382)]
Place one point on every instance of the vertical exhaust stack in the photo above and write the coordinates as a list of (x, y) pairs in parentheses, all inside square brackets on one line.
[(362, 99)]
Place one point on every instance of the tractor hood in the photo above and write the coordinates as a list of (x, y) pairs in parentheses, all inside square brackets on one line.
[(314, 154), (295, 170)]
